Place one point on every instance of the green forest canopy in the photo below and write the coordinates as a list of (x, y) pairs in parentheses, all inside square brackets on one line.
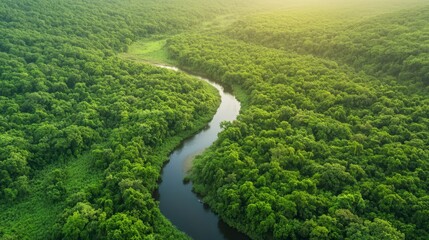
[(67, 103), (332, 142)]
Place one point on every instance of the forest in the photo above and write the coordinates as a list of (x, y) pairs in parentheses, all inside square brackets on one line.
[(69, 105), (332, 141)]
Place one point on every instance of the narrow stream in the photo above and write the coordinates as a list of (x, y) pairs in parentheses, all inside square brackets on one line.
[(177, 201)]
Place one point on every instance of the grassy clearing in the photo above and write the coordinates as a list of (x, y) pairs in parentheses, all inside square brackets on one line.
[(33, 217), (149, 50), (153, 51)]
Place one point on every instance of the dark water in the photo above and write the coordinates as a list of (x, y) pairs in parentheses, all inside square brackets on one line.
[(177, 201)]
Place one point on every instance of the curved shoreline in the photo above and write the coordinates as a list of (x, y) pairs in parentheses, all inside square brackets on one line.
[(176, 199)]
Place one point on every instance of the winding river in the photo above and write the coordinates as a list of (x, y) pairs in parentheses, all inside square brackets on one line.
[(176, 199)]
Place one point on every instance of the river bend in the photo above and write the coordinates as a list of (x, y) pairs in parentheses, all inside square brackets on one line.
[(176, 199)]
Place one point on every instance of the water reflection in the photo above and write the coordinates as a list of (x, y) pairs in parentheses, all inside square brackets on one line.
[(177, 201)]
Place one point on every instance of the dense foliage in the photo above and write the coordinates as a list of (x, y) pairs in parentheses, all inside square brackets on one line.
[(393, 44), (332, 142), (64, 93), (320, 151)]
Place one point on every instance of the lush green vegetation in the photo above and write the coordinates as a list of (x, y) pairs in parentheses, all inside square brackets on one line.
[(332, 142), (392, 44), (150, 50), (322, 150), (35, 214), (84, 134)]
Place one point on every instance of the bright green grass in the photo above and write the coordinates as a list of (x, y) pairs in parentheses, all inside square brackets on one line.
[(151, 50), (33, 217)]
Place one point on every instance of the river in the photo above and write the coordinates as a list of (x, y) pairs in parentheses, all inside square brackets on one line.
[(176, 200)]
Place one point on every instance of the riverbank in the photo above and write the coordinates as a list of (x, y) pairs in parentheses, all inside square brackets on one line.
[(177, 201)]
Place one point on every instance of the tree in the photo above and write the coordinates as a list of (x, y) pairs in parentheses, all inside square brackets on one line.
[(121, 227), (334, 178), (377, 229)]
